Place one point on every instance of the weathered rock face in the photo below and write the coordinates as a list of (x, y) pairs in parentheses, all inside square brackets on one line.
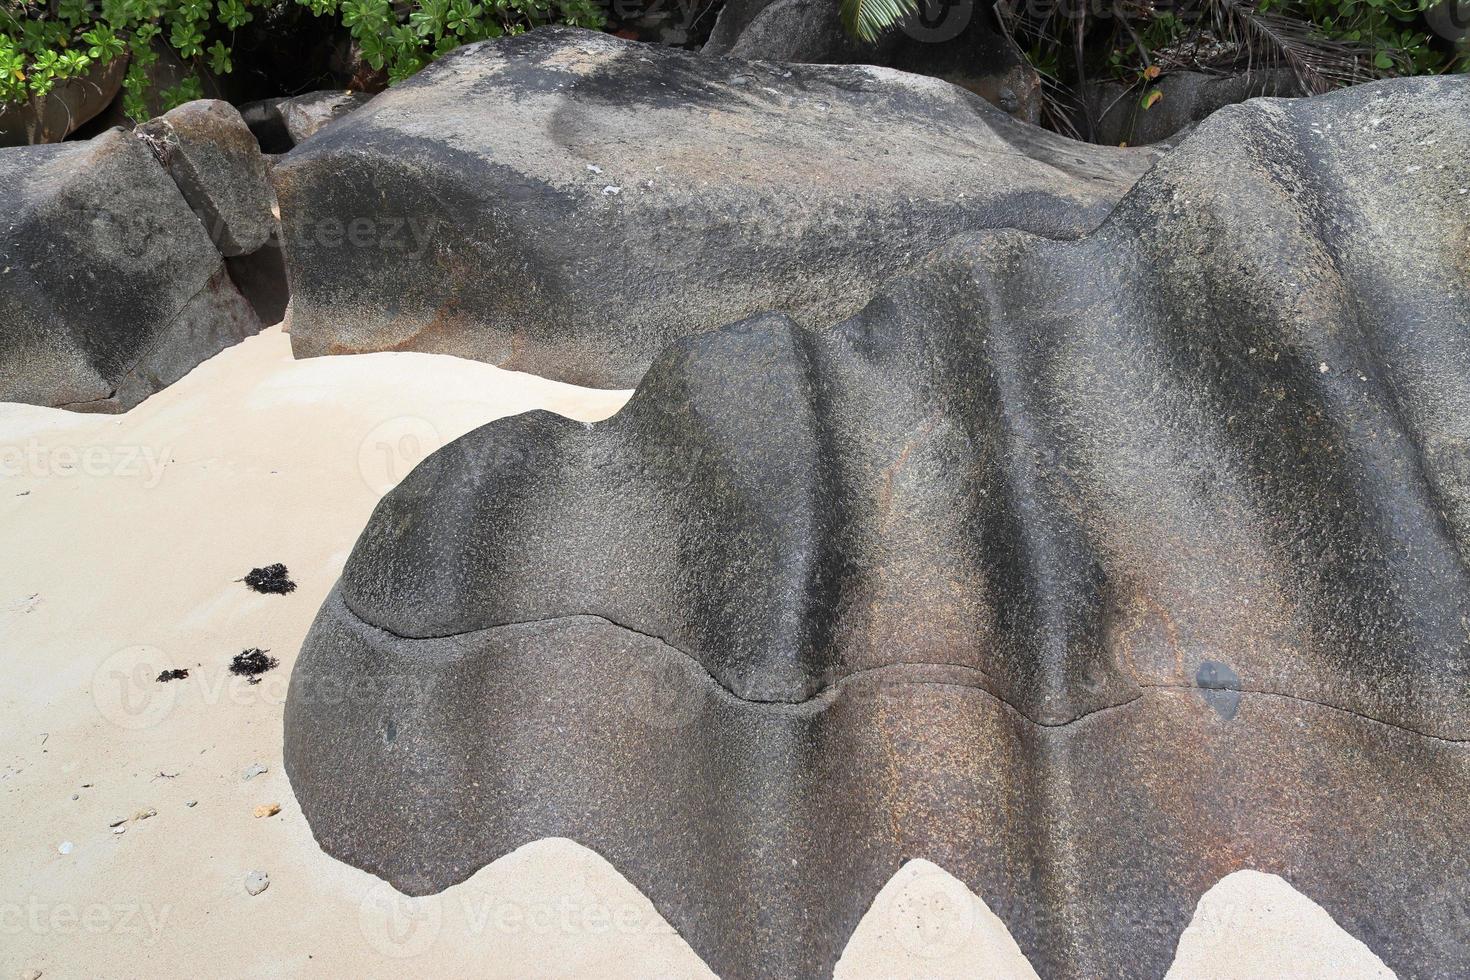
[(567, 203), (958, 42), (215, 161), (1089, 570), (306, 115), (111, 288)]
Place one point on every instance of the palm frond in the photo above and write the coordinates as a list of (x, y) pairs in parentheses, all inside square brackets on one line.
[(1318, 62), (867, 20)]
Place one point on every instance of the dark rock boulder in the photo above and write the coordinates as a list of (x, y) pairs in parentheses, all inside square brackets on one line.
[(110, 288), (568, 203), (216, 162), (957, 41), (215, 159), (1089, 570), (1185, 98)]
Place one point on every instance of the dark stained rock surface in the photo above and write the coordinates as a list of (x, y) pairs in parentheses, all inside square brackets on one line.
[(1186, 97), (279, 124), (959, 42), (1089, 570), (567, 203), (261, 279), (110, 288), (217, 164)]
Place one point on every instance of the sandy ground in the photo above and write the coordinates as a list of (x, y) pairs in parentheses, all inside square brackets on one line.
[(124, 538)]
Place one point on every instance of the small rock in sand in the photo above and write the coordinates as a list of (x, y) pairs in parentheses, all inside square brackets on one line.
[(64, 847), (257, 882), (268, 809), (253, 771), (191, 803)]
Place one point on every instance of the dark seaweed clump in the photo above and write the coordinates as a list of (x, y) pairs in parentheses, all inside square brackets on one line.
[(176, 674), (252, 663), (272, 580)]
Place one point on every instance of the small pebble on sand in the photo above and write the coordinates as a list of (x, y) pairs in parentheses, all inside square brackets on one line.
[(257, 882), (268, 809)]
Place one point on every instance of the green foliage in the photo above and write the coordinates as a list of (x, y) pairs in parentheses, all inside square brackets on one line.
[(45, 42), (867, 20), (402, 37), (1391, 33)]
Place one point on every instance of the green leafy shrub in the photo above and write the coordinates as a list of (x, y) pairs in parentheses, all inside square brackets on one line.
[(45, 42), (402, 38)]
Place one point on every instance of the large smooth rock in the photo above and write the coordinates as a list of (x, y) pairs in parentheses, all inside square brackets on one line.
[(217, 164), (958, 41), (1088, 570), (567, 203), (110, 288)]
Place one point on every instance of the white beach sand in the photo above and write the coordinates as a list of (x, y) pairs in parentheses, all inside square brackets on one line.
[(1254, 926), (123, 540)]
